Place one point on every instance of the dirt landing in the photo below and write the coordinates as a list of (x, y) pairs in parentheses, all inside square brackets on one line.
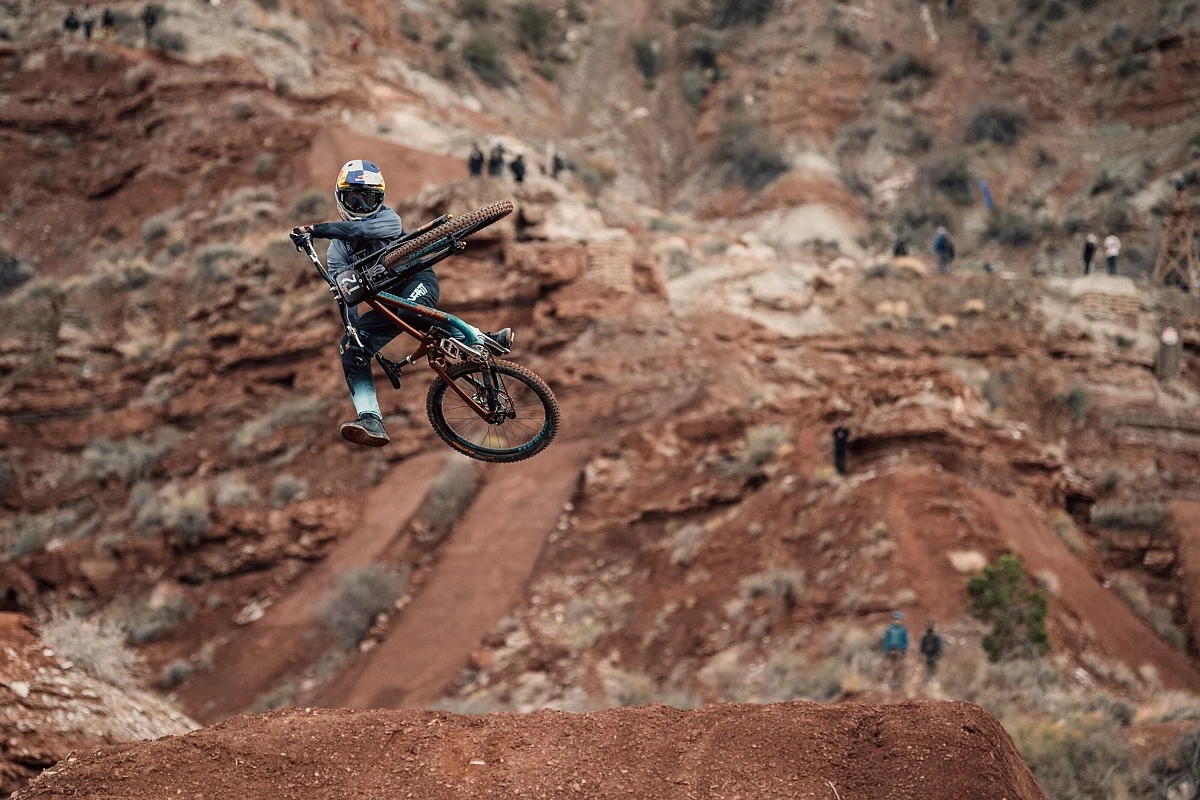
[(799, 750)]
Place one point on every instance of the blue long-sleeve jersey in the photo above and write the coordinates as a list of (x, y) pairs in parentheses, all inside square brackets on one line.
[(357, 239)]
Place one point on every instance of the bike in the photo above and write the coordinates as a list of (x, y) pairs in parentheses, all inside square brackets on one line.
[(483, 407)]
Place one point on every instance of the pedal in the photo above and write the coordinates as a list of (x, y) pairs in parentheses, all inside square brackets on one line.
[(391, 369)]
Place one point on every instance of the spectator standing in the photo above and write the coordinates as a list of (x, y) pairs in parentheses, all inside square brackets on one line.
[(1089, 252), (88, 19), (944, 247), (895, 649), (149, 20), (931, 648), (841, 436), (1112, 249), (517, 167), (900, 248), (496, 161), (108, 23), (557, 163), (71, 22), (475, 161)]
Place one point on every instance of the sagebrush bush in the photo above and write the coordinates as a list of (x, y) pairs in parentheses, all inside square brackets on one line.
[(747, 153), (534, 24), (784, 585), (450, 495), (736, 12), (146, 624), (1001, 124), (305, 410), (97, 648), (475, 10), (286, 489), (685, 542), (647, 56), (483, 54), (362, 595), (951, 177), (1009, 229), (129, 459), (907, 66), (1149, 516)]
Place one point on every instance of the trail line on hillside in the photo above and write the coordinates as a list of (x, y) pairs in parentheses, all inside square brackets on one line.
[(261, 654), (1185, 515), (1116, 629), (482, 572)]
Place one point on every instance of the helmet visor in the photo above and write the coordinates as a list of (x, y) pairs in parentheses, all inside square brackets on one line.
[(361, 201)]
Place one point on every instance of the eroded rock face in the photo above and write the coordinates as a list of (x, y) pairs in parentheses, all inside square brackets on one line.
[(50, 708)]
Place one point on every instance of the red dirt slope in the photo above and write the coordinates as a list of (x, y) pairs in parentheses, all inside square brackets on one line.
[(801, 750)]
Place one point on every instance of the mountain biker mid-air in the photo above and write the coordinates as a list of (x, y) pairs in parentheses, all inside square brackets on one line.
[(367, 229)]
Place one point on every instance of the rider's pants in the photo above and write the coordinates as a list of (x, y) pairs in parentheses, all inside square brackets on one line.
[(376, 331)]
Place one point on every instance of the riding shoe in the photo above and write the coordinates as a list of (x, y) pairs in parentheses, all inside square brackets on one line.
[(503, 337), (366, 430)]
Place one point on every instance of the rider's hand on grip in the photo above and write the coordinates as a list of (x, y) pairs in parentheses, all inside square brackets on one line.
[(300, 234)]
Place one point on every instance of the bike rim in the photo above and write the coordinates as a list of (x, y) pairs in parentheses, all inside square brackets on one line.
[(511, 435)]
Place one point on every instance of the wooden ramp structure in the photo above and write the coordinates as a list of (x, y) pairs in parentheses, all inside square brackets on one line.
[(1176, 262)]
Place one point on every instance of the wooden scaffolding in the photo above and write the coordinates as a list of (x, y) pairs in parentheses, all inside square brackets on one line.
[(1176, 263)]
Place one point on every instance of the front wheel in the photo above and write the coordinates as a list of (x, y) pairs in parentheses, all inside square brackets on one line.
[(523, 412)]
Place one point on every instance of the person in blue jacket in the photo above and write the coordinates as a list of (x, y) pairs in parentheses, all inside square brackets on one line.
[(895, 650)]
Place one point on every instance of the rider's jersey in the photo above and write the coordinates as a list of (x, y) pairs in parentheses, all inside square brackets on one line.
[(357, 239)]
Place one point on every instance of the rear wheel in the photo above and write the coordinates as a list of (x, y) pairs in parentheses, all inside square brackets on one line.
[(524, 412), (458, 228)]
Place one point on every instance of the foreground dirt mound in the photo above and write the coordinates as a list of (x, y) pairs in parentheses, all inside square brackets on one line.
[(914, 750)]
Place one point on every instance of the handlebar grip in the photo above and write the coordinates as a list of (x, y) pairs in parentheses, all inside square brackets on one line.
[(299, 237)]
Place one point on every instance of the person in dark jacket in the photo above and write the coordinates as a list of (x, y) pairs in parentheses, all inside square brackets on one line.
[(944, 247), (475, 161), (149, 20), (71, 22), (366, 229), (1089, 252), (900, 248), (517, 167), (841, 437), (931, 648), (496, 161)]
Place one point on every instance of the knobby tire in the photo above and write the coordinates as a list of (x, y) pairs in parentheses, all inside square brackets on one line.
[(459, 228), (497, 455)]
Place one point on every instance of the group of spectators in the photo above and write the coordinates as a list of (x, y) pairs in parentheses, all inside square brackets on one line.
[(895, 650), (943, 247), (492, 165), (87, 18)]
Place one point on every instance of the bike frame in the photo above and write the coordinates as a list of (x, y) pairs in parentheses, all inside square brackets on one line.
[(428, 348)]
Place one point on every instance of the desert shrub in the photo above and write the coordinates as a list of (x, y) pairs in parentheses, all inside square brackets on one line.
[(279, 697), (148, 516), (450, 495), (703, 50), (1009, 229), (268, 5), (171, 42), (908, 66), (1055, 11), (1157, 617), (534, 24), (157, 226), (736, 12), (410, 29), (694, 84), (210, 261), (1064, 526), (122, 275), (310, 206), (1077, 403), (186, 514), (300, 411), (175, 673), (13, 273), (1148, 516), (97, 648), (264, 164), (233, 490), (1176, 774), (1002, 597), (146, 624), (747, 154), (787, 676), (1131, 64), (129, 459), (482, 53), (362, 595), (647, 56), (951, 177), (1118, 217), (475, 10), (546, 70), (1080, 759), (595, 175), (784, 585), (996, 123), (685, 542), (287, 488)]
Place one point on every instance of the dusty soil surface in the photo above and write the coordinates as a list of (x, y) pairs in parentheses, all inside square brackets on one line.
[(802, 750)]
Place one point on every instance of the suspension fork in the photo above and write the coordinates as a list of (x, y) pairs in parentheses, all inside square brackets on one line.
[(488, 415)]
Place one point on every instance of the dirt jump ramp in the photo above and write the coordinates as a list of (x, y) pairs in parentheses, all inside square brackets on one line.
[(911, 751)]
